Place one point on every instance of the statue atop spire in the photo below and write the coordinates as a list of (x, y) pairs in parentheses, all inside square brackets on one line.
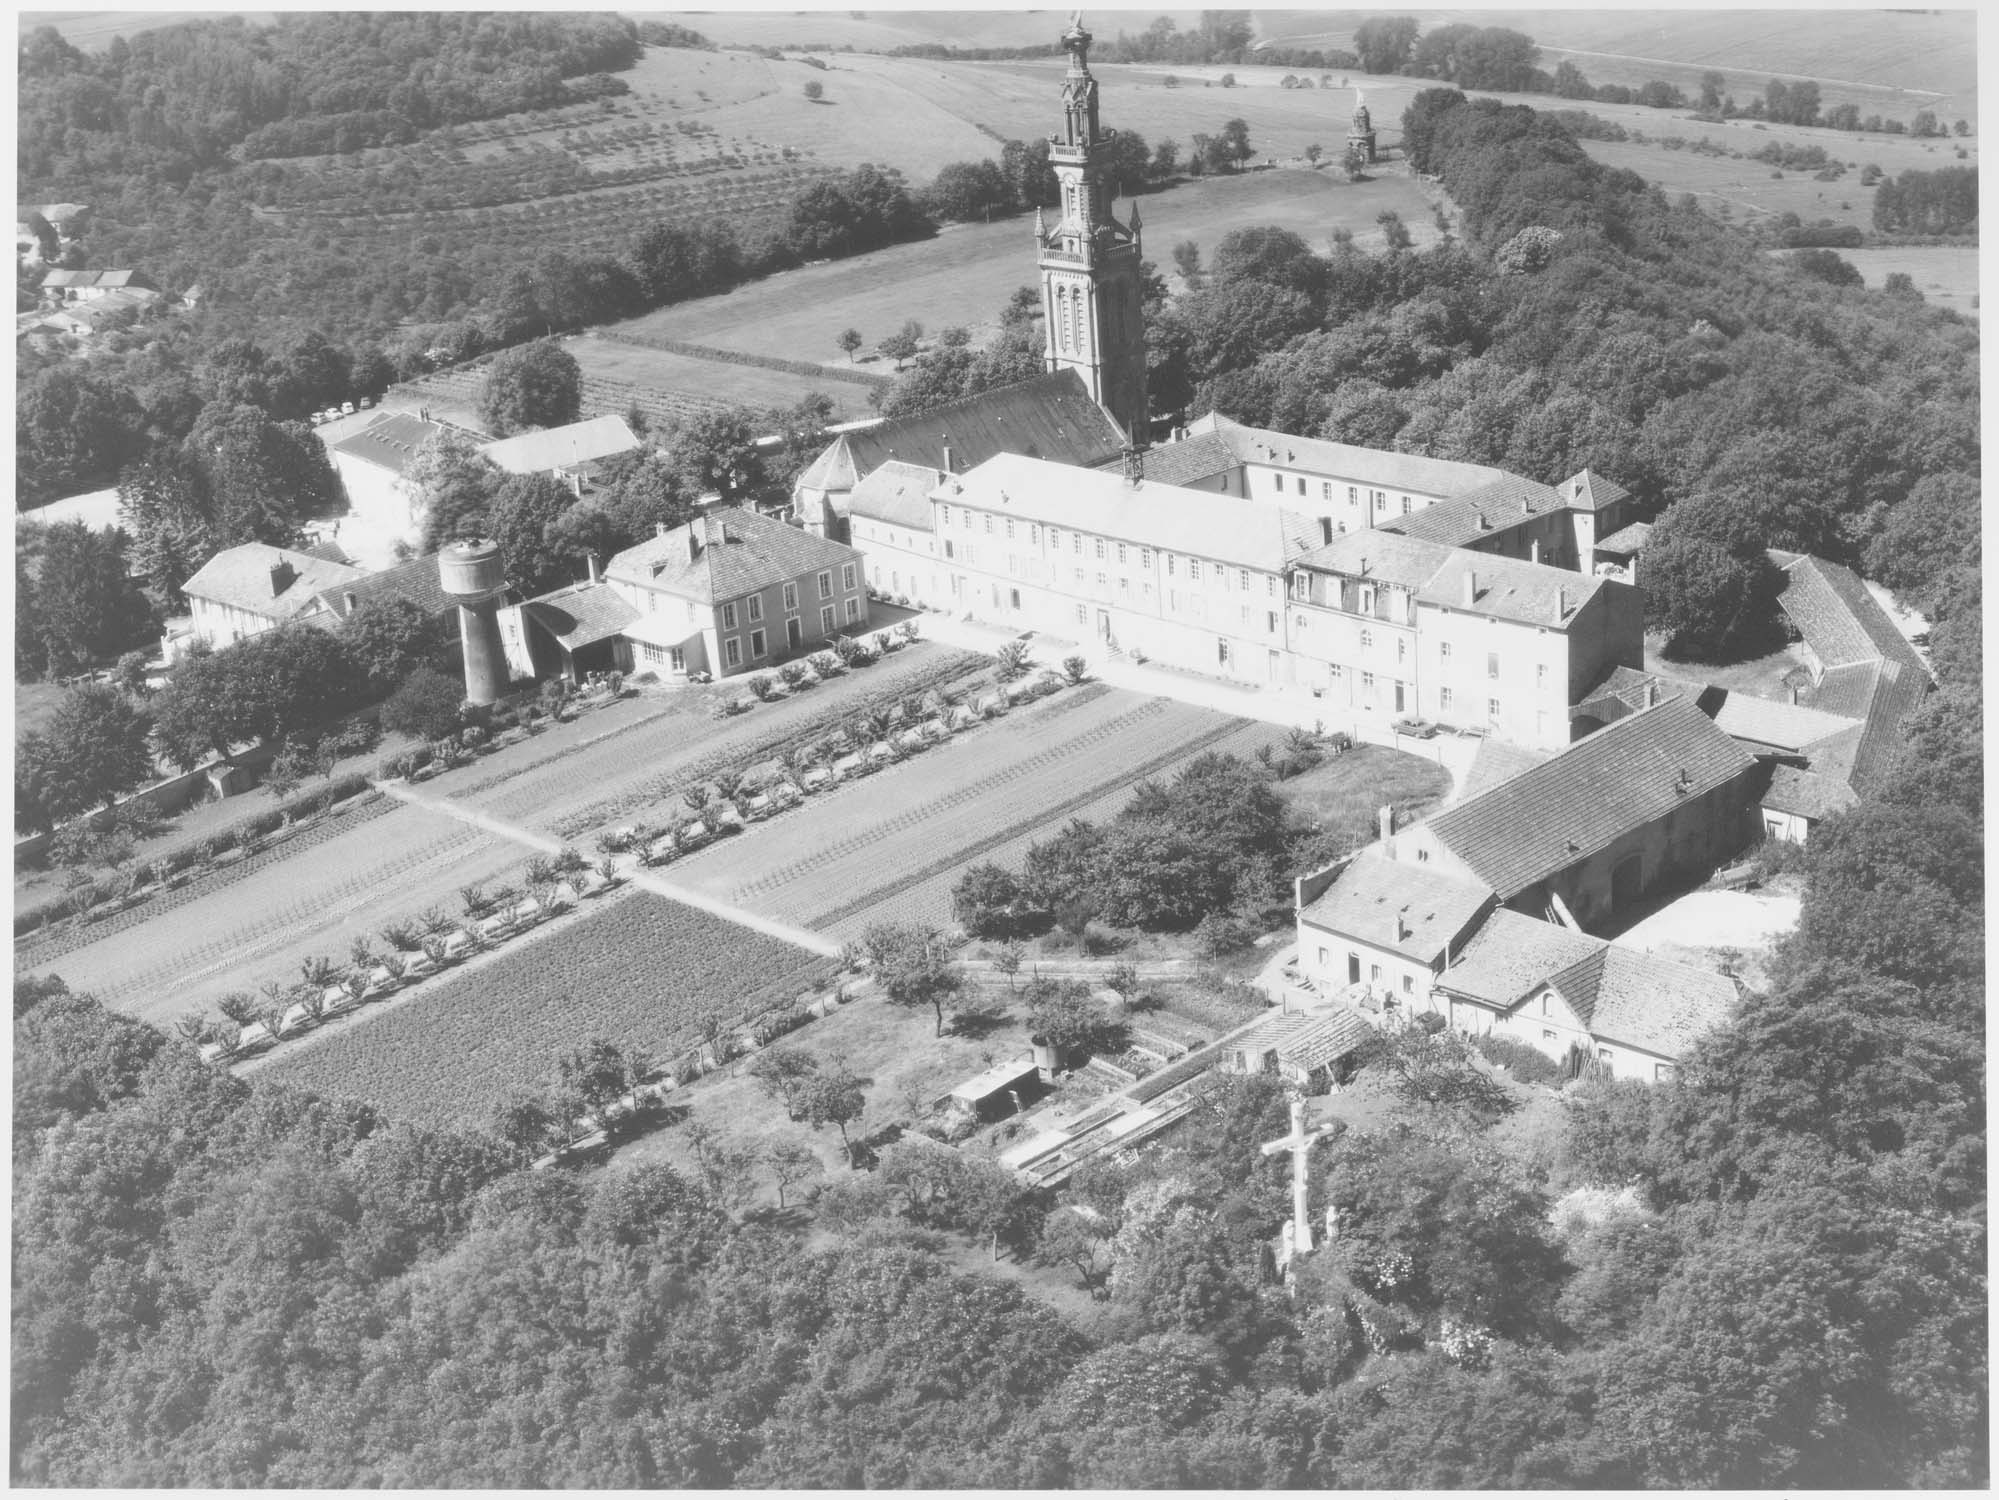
[(1079, 89)]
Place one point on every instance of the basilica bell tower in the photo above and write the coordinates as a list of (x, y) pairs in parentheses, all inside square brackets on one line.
[(1089, 261)]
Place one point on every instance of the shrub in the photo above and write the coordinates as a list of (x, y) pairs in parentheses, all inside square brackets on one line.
[(848, 650), (1219, 934), (1525, 1062), (793, 675), (826, 663), (1075, 669), (762, 686)]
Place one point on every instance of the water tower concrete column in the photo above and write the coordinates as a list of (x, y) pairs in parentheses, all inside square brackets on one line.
[(474, 575)]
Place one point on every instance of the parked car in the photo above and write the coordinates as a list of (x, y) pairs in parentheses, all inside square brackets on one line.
[(1420, 729)]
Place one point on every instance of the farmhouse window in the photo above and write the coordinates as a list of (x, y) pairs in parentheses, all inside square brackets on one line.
[(1102, 552), (1548, 1036), (1076, 544), (1374, 973), (732, 652), (1034, 534), (1270, 621), (1082, 614), (1172, 566), (757, 644), (1492, 709), (853, 610), (1405, 505), (944, 511), (1326, 490), (1492, 663), (950, 548), (847, 576), (1408, 984), (826, 620), (1124, 586), (1366, 601), (729, 617), (1194, 569), (1055, 538), (1278, 480), (1242, 579), (1013, 597), (1081, 575), (1145, 558), (1367, 681), (1335, 671), (791, 598), (1301, 585), (989, 525), (1401, 649), (1009, 528), (1540, 674), (690, 611), (1366, 639), (1444, 699), (1121, 554), (1301, 484), (756, 607), (826, 585), (1444, 650), (1353, 495)]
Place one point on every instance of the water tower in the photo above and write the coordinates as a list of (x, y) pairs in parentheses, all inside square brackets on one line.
[(473, 574)]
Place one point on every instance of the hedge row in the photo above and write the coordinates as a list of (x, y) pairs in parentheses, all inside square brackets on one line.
[(1191, 1066), (189, 855), (738, 357)]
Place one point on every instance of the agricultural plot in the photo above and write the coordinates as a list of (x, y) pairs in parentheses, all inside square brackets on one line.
[(1946, 275), (680, 378), (835, 863), (250, 931), (641, 970), (967, 272)]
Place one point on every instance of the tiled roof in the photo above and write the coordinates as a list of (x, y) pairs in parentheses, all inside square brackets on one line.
[(1807, 794), (1654, 1004), (1838, 618), (1496, 760), (416, 580), (1598, 789), (1471, 514), (1627, 539), (390, 441), (1782, 726), (113, 279), (1373, 891), (1188, 461), (1222, 528), (1508, 589), (582, 614), (1049, 416), (1381, 467), (1511, 954), (897, 494), (740, 551), (1309, 1041), (241, 578), (1379, 555), (326, 549), (562, 447)]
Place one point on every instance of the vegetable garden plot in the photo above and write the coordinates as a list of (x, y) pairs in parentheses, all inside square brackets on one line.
[(641, 970)]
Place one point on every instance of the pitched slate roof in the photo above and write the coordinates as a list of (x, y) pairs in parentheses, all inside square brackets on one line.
[(1591, 492), (240, 577), (1511, 955), (1383, 468), (1049, 416), (562, 447), (1807, 794), (1507, 588), (416, 580), (1380, 555), (390, 441), (116, 280), (1782, 726), (1471, 514), (1655, 1004), (1374, 890), (1309, 1041), (740, 551), (1581, 800), (582, 614), (1223, 528), (326, 549), (897, 494)]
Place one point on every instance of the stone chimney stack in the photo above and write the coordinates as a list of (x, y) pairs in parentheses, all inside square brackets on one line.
[(1561, 603), (353, 601), (590, 565), (949, 466), (694, 542), (283, 575), (1652, 695), (1401, 929), (1470, 587)]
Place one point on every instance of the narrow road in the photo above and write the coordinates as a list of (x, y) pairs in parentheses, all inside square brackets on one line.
[(639, 876)]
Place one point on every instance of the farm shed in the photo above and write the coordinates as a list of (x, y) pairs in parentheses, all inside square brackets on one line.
[(577, 630), (1302, 1048), (1000, 1090)]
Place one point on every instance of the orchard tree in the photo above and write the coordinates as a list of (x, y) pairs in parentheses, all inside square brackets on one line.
[(390, 635), (814, 90), (849, 341), (837, 1097), (536, 385), (913, 966)]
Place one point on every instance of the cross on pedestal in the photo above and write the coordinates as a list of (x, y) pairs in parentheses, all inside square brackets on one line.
[(1299, 1143)]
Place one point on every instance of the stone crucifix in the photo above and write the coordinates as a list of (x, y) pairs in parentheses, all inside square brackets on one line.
[(1298, 1232)]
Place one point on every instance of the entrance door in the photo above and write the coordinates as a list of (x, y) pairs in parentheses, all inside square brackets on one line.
[(1353, 968), (794, 633), (1104, 623), (1627, 879)]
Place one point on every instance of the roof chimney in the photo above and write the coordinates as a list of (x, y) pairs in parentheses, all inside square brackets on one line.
[(694, 542), (1483, 524), (1526, 506), (1401, 929), (353, 601), (590, 565), (949, 466), (1471, 587), (1561, 603), (283, 575), (659, 528), (1652, 694), (1325, 529), (1794, 694), (1134, 465), (1685, 784)]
